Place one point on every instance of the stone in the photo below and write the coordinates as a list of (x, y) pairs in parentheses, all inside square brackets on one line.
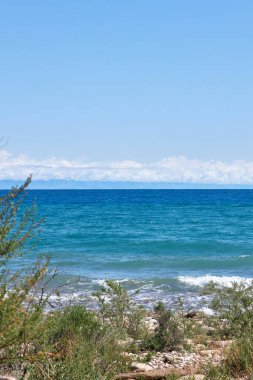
[(191, 314), (221, 343), (141, 367), (157, 374), (123, 343), (200, 347), (196, 377), (151, 323), (209, 353)]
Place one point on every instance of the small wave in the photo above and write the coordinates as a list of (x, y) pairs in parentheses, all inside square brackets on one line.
[(99, 282), (221, 280), (244, 256), (103, 282)]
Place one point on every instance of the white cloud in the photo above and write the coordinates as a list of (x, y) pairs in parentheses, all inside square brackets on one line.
[(171, 169)]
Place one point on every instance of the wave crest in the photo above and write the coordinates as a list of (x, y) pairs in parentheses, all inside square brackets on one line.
[(221, 280)]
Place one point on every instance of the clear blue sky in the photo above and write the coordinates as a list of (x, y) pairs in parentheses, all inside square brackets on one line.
[(127, 79)]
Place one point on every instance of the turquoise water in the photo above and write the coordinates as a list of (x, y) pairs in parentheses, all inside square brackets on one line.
[(163, 242)]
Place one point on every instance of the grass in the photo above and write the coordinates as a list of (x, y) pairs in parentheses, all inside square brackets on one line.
[(233, 320), (79, 346), (121, 312)]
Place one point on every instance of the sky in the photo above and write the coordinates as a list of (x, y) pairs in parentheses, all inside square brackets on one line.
[(127, 90)]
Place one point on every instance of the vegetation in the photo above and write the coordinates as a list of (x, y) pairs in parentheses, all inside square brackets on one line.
[(168, 334), (21, 306), (233, 320), (237, 364), (118, 310), (234, 307), (78, 346)]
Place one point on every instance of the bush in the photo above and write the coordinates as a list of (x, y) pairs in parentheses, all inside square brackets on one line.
[(233, 307), (21, 307), (119, 310), (239, 360), (216, 373), (168, 334), (234, 320), (78, 346)]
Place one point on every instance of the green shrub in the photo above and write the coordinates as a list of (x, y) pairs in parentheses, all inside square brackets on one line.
[(21, 305), (168, 334), (238, 362), (234, 320), (216, 373), (233, 307), (79, 346), (118, 309), (172, 377)]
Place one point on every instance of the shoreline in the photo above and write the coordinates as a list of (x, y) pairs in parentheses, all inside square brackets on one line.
[(191, 296), (195, 350)]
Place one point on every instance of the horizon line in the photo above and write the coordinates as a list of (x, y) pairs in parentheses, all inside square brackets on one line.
[(69, 184)]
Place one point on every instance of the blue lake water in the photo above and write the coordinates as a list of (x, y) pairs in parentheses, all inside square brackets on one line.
[(163, 242)]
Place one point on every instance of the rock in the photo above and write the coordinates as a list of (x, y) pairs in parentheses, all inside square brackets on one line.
[(141, 367), (210, 353), (151, 323), (123, 343), (221, 343), (157, 374), (200, 347), (191, 314), (167, 358), (196, 377), (5, 377)]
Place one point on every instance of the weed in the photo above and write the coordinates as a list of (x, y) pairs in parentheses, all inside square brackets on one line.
[(168, 334), (118, 309), (234, 309)]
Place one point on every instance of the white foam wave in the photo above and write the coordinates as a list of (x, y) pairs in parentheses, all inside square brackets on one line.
[(103, 282), (221, 280), (100, 282)]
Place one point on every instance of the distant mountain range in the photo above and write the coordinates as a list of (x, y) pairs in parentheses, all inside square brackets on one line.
[(70, 184)]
